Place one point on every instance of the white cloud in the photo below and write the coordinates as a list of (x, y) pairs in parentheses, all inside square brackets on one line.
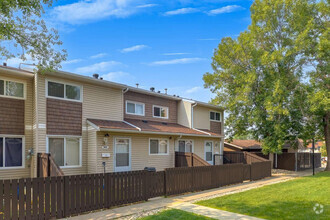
[(181, 11), (147, 5), (97, 67), (72, 61), (193, 90), (174, 54), (133, 48), (118, 76), (226, 9), (176, 61), (91, 10), (100, 55)]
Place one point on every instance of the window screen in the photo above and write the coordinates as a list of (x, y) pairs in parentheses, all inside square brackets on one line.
[(13, 152), (2, 87), (56, 89), (56, 150), (72, 92), (72, 152), (1, 152), (153, 146), (14, 89), (157, 111)]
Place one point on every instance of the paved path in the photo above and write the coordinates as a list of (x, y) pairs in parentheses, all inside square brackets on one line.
[(210, 212), (135, 210)]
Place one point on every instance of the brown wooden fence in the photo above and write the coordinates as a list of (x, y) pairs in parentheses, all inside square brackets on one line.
[(297, 161), (183, 159), (60, 197), (46, 166)]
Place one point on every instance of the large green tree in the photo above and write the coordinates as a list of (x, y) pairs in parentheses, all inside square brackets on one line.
[(23, 33), (273, 79)]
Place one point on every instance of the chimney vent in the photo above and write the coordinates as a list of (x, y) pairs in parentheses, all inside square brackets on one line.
[(96, 76), (101, 78), (137, 85), (4, 64), (152, 89), (166, 91), (158, 91)]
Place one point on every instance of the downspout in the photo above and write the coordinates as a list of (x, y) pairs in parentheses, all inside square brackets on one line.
[(34, 159), (192, 115), (124, 91)]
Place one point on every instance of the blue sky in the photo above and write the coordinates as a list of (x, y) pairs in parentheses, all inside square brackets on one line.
[(164, 44)]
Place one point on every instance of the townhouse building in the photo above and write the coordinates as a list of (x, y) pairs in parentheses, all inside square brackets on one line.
[(90, 125)]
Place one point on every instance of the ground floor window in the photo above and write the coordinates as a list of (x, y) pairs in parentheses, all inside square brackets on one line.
[(185, 146), (158, 146), (11, 152), (66, 151)]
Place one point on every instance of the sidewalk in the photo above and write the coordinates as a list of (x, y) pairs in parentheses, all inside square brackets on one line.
[(129, 211)]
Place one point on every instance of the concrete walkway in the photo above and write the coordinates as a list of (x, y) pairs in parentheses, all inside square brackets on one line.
[(185, 201), (210, 212)]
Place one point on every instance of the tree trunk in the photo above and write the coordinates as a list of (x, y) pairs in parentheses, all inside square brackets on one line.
[(327, 138)]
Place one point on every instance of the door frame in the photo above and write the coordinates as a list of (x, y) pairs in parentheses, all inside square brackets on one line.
[(210, 162), (127, 168)]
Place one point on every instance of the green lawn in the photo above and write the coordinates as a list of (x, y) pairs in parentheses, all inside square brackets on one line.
[(175, 214), (294, 199)]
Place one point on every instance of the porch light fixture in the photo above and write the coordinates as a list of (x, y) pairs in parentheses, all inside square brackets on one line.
[(105, 139)]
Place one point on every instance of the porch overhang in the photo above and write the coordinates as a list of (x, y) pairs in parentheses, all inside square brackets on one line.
[(152, 128)]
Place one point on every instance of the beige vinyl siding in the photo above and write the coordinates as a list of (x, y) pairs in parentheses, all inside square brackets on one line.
[(184, 113), (92, 150), (201, 117), (28, 120), (140, 157), (98, 102)]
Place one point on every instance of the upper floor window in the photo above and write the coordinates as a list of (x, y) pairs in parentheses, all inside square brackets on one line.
[(11, 89), (63, 91), (160, 112), (215, 116), (134, 108)]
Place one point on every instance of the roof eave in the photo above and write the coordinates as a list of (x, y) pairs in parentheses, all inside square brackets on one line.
[(160, 133)]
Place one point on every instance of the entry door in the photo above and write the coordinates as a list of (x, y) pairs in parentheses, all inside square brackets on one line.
[(122, 154), (208, 151)]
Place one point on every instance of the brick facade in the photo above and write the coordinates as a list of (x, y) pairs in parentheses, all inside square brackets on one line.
[(149, 101), (12, 116), (64, 117)]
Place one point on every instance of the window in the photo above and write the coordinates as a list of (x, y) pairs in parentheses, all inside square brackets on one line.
[(215, 116), (64, 91), (11, 152), (134, 108), (158, 146), (160, 112), (209, 151), (185, 146), (122, 152), (11, 89), (65, 151)]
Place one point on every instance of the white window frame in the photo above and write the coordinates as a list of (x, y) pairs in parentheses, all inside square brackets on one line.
[(215, 112), (158, 106), (65, 84), (67, 136), (122, 169), (5, 79), (135, 103), (185, 146), (160, 139), (4, 136), (210, 162)]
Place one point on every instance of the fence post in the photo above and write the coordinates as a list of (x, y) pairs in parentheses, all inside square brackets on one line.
[(66, 197), (145, 188), (165, 183)]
